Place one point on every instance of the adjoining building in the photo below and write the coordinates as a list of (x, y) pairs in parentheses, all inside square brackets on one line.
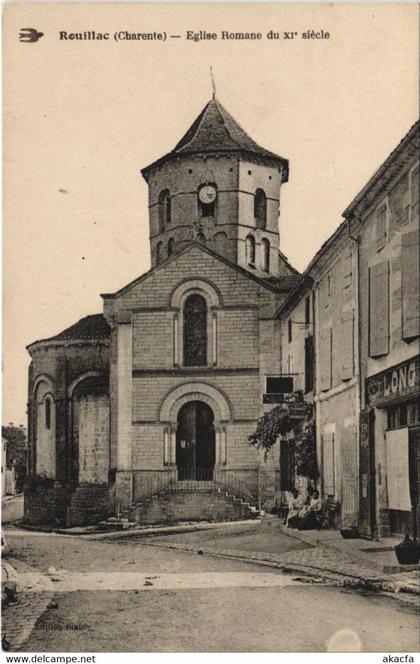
[(296, 315), (146, 409), (357, 307), (319, 352), (8, 486), (386, 215)]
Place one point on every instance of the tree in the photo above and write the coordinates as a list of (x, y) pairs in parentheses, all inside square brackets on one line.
[(271, 425), (278, 422), (16, 452)]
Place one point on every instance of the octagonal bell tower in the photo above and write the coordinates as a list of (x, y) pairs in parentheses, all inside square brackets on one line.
[(217, 187)]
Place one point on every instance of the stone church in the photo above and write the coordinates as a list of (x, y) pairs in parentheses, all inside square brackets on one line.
[(144, 410)]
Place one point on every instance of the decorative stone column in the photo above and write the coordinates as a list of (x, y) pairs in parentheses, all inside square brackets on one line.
[(124, 420), (172, 446)]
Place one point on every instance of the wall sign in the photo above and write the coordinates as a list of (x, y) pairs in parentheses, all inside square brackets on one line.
[(395, 383)]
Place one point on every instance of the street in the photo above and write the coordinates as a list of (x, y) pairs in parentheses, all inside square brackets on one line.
[(126, 596)]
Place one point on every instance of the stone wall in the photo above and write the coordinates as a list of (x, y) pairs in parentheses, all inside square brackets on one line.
[(45, 503), (94, 438)]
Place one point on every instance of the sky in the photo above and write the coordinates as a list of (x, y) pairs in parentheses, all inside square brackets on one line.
[(81, 118)]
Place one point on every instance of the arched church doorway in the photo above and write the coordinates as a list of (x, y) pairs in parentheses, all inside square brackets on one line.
[(195, 442)]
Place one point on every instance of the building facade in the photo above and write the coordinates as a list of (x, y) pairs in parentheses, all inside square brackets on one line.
[(159, 394), (296, 315), (386, 216), (362, 290), (319, 352)]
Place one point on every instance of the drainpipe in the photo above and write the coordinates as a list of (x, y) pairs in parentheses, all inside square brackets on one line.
[(318, 441), (358, 366), (358, 359)]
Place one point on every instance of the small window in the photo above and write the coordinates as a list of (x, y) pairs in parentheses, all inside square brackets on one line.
[(307, 310), (289, 330), (260, 208), (47, 413), (159, 251), (171, 246), (164, 209), (250, 250), (265, 248)]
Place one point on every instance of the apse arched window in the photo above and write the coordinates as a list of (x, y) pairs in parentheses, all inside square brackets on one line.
[(195, 331), (47, 412), (164, 209), (171, 246), (260, 208), (159, 251), (265, 249), (250, 250)]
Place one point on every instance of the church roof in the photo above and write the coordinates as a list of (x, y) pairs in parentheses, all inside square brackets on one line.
[(277, 284), (284, 282), (215, 131), (88, 328)]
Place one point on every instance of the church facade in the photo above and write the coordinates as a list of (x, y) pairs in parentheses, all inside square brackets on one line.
[(145, 410)]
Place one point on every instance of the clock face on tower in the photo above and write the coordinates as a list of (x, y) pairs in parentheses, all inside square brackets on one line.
[(207, 194)]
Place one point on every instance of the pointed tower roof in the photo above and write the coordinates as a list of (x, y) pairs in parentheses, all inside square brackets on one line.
[(216, 131)]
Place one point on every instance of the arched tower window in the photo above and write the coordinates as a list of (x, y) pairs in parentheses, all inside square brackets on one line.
[(164, 209), (250, 250), (171, 246), (260, 208), (195, 331), (159, 252), (265, 249), (47, 412)]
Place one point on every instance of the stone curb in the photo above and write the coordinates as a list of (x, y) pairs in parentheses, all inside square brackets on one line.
[(334, 548), (160, 530), (341, 578)]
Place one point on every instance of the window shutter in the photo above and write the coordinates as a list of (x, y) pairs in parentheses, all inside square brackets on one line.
[(347, 345), (349, 474), (410, 285), (347, 268), (325, 359), (287, 449), (309, 363), (379, 309), (328, 463), (380, 239)]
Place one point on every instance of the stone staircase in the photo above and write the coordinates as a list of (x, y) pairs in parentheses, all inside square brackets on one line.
[(192, 500)]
